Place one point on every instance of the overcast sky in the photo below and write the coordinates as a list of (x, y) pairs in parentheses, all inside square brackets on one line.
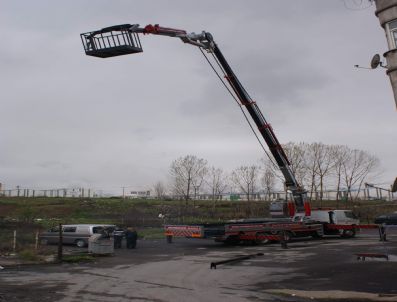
[(72, 120)]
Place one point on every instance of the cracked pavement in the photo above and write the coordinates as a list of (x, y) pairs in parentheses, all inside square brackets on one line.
[(320, 270)]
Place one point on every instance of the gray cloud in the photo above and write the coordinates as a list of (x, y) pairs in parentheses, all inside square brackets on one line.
[(68, 119)]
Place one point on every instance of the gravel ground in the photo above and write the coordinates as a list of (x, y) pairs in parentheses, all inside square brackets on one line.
[(322, 270)]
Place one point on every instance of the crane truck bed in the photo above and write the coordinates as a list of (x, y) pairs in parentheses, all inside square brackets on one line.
[(322, 222), (254, 230)]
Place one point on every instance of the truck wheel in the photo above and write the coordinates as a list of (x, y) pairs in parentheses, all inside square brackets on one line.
[(316, 235), (348, 233), (80, 243), (286, 235), (263, 241), (232, 240), (258, 240)]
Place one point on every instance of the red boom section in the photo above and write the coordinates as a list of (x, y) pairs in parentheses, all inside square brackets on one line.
[(158, 30)]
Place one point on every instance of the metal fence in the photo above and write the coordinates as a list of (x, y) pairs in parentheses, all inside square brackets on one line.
[(75, 192), (362, 194), (368, 193), (17, 237)]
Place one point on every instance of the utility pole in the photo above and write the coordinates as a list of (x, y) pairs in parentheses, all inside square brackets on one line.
[(60, 243), (386, 11)]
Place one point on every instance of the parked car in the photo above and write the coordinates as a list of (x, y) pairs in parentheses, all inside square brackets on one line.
[(77, 234), (388, 219)]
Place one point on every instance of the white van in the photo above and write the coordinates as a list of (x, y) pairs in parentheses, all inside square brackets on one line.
[(77, 234), (340, 217)]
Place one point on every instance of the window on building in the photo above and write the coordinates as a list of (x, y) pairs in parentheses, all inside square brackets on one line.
[(391, 31)]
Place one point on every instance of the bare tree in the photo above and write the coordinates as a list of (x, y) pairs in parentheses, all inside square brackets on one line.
[(339, 155), (316, 165), (296, 155), (217, 182), (198, 181), (357, 166), (187, 172), (245, 178), (311, 158), (268, 180), (274, 168), (324, 164), (159, 190), (319, 163)]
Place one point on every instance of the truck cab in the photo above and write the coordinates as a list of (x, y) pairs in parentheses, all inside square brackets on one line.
[(345, 217), (335, 222), (339, 217)]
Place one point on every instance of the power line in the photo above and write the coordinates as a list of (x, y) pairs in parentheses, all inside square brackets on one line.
[(237, 101)]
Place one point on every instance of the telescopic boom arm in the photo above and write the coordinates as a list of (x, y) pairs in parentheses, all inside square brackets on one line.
[(205, 41)]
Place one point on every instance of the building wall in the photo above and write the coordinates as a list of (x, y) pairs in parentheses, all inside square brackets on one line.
[(386, 11)]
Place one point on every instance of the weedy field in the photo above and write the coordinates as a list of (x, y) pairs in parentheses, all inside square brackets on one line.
[(29, 216)]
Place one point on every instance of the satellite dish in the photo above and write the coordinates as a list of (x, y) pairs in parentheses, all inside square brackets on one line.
[(375, 62), (394, 187)]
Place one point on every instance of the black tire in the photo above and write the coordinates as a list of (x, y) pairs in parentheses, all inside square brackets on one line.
[(316, 235), (348, 233), (262, 241), (288, 236), (232, 240), (80, 243), (285, 235), (259, 241)]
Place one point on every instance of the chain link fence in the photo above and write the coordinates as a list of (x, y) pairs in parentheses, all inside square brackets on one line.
[(16, 237)]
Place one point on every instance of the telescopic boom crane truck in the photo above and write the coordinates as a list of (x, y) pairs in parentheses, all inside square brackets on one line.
[(124, 39)]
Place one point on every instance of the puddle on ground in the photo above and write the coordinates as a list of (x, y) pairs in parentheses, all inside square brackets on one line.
[(392, 258)]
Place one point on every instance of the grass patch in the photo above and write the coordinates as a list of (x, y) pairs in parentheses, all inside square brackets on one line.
[(28, 255), (78, 258), (151, 233)]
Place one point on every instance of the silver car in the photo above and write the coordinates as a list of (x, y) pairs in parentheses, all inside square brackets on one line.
[(77, 234)]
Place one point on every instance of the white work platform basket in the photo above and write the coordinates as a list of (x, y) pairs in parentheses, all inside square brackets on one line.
[(111, 42)]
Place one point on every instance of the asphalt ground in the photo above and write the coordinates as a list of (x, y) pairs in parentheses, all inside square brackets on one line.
[(308, 270)]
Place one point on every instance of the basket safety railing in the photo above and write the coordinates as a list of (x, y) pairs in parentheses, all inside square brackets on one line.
[(112, 43)]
